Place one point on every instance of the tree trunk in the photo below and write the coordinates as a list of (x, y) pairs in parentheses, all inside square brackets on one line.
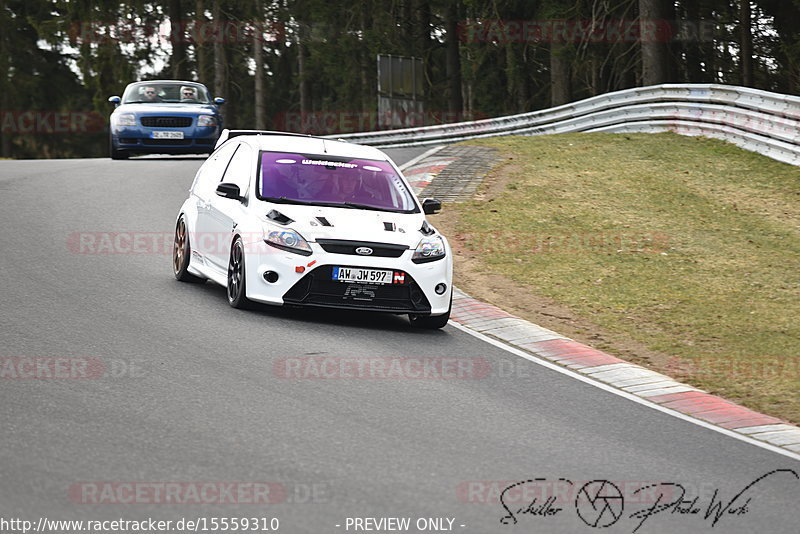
[(692, 47), (423, 37), (258, 57), (5, 87), (369, 89), (560, 75), (455, 102), (177, 35), (746, 48), (200, 48), (5, 138), (305, 100), (221, 62), (655, 54)]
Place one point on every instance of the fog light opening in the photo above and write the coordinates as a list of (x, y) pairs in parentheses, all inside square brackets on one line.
[(440, 289), (270, 276)]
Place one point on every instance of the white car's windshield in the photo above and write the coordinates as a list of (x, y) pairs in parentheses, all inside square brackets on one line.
[(154, 93), (333, 181)]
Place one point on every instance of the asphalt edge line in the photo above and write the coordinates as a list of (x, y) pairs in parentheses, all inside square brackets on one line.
[(611, 389), (414, 161)]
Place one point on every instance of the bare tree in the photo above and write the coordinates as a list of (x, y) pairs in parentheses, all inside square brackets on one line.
[(746, 48), (655, 53), (455, 102), (177, 35), (305, 100), (560, 74), (258, 57), (200, 49), (220, 55)]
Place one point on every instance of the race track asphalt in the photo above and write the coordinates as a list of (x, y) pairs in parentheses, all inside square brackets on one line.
[(192, 393)]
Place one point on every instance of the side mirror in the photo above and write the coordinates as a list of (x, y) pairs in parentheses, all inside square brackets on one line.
[(228, 190), (431, 206), (219, 101), (114, 100)]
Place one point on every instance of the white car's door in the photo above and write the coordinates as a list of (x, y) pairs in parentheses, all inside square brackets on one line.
[(224, 214), (205, 241)]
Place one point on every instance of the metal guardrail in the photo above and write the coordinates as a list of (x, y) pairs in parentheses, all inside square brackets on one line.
[(760, 121)]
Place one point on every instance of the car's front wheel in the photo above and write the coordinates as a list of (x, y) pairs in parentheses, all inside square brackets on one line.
[(237, 284), (431, 322), (115, 153), (181, 253)]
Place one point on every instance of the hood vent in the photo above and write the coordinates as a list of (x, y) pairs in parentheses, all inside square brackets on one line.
[(389, 227), (279, 217), (427, 229), (323, 221)]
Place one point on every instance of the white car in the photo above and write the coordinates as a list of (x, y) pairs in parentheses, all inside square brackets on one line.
[(289, 219)]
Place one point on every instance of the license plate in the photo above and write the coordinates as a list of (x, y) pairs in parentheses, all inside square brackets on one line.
[(365, 276), (167, 135)]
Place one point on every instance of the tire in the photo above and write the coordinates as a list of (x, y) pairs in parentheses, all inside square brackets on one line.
[(181, 253), (431, 322), (116, 154), (237, 281)]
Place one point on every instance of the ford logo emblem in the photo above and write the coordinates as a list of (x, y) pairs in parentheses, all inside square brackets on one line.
[(364, 251)]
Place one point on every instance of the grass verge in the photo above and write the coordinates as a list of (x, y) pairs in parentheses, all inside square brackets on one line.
[(680, 253)]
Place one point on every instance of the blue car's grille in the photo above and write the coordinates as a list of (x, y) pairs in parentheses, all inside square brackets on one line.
[(166, 122)]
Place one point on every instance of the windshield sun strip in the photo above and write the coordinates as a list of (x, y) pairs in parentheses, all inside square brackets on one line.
[(398, 180), (343, 205)]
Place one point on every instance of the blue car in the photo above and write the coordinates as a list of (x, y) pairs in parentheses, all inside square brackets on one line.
[(164, 117)]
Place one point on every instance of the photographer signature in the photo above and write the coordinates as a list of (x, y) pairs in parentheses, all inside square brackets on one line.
[(600, 503)]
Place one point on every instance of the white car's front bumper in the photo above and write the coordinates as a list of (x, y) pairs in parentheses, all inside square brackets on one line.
[(307, 280)]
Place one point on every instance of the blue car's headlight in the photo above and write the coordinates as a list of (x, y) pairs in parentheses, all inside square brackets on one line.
[(125, 119), (206, 120)]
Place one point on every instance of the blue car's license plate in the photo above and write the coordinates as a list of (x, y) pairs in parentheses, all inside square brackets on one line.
[(167, 135)]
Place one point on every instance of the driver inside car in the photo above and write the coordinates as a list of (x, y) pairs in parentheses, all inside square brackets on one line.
[(150, 95), (188, 94)]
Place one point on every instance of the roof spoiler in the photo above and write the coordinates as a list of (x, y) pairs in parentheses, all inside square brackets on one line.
[(230, 134)]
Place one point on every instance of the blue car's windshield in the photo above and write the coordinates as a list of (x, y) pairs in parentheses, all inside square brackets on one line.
[(333, 181), (173, 93)]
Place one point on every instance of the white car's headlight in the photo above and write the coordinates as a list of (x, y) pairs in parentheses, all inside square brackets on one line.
[(430, 248), (287, 240), (126, 119), (206, 120)]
